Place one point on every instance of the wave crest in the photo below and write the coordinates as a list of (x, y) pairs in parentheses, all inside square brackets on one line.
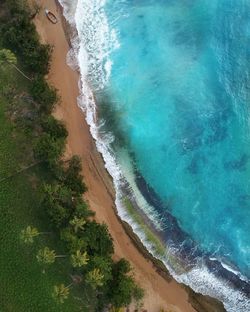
[(90, 53)]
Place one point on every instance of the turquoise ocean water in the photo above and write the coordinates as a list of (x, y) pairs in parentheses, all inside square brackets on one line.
[(172, 82)]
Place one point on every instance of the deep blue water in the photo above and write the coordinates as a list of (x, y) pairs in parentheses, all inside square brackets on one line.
[(179, 89)]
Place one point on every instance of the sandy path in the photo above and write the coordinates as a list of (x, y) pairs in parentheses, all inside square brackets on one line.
[(159, 293)]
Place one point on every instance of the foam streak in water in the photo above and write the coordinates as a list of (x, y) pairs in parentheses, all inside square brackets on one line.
[(91, 50)]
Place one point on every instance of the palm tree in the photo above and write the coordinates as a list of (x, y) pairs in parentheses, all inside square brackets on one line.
[(29, 233), (77, 223), (79, 259), (114, 309), (47, 256), (8, 57), (61, 293), (95, 278)]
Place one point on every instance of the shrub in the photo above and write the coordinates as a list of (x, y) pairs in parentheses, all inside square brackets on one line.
[(48, 148), (121, 291), (74, 243), (73, 178), (122, 288), (138, 293), (44, 95), (19, 34), (82, 209), (104, 264), (120, 268), (58, 202), (98, 239), (54, 128)]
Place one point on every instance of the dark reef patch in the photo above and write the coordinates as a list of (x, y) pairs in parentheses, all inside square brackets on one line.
[(196, 163), (186, 249), (237, 164), (111, 119)]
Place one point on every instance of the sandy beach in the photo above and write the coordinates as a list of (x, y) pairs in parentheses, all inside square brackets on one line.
[(159, 293)]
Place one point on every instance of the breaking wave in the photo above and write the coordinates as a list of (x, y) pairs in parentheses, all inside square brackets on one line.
[(92, 45)]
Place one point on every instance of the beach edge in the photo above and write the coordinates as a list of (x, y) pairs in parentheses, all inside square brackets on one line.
[(96, 167)]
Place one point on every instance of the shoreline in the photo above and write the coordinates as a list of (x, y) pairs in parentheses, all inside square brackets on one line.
[(162, 291)]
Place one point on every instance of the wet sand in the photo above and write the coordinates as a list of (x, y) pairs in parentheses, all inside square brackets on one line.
[(159, 291)]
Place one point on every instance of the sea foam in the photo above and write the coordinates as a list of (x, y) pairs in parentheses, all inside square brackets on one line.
[(91, 48)]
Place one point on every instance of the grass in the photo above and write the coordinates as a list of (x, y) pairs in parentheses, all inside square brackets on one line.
[(24, 284)]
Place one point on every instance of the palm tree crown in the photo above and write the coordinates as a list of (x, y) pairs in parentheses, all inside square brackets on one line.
[(95, 278), (79, 259), (60, 293), (6, 56), (27, 235), (46, 256), (77, 223)]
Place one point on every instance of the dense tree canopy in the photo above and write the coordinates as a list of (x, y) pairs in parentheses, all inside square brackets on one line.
[(89, 244), (98, 239), (46, 97), (19, 35)]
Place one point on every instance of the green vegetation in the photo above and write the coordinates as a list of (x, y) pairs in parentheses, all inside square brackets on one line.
[(60, 293), (79, 259), (28, 234), (158, 246), (47, 256), (95, 278), (43, 215), (46, 97), (18, 34), (7, 57), (24, 286)]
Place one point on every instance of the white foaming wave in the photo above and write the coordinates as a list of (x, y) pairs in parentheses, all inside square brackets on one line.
[(201, 280), (97, 39), (125, 163), (84, 60), (95, 65), (71, 58), (230, 268), (92, 57), (69, 9)]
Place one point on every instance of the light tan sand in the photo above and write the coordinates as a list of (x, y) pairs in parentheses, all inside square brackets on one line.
[(159, 292)]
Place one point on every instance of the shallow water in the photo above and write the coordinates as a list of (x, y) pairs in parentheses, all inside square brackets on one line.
[(180, 87), (175, 78)]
